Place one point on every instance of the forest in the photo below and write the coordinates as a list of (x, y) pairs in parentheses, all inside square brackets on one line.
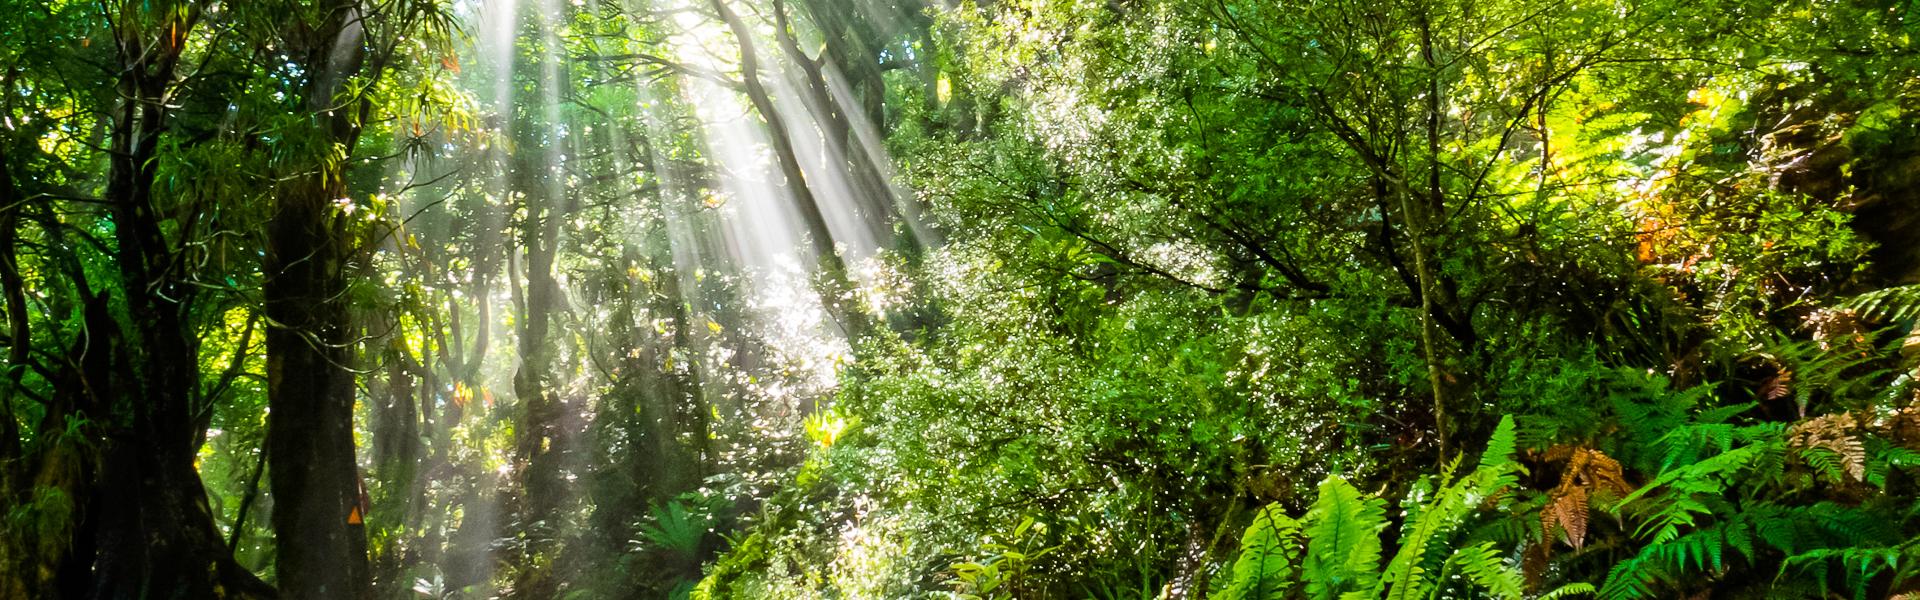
[(959, 299)]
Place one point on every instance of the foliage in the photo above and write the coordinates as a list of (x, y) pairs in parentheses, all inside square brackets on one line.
[(1010, 300)]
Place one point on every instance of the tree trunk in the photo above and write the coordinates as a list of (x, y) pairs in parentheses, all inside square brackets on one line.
[(541, 434), (833, 271), (153, 533), (310, 394), (396, 459), (15, 569), (19, 337), (540, 440), (310, 390), (1418, 230), (872, 193)]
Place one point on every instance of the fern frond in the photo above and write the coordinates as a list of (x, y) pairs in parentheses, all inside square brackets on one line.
[(1627, 580), (1499, 454), (1890, 305), (1406, 576), (1859, 566), (1483, 566), (1671, 560), (1568, 591), (1343, 540), (1712, 472), (1884, 457), (1267, 551), (1721, 414), (1700, 550)]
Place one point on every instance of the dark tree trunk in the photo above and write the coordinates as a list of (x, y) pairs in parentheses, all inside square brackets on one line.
[(16, 579), (152, 532), (19, 337), (310, 390), (310, 393)]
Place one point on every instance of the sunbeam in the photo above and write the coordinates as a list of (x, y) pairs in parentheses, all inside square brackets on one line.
[(961, 300)]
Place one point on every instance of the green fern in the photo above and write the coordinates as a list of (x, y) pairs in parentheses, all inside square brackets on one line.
[(1890, 305), (1883, 457), (1267, 553), (1703, 513), (1483, 566), (1343, 541), (674, 528), (1568, 591), (1407, 575), (1343, 532)]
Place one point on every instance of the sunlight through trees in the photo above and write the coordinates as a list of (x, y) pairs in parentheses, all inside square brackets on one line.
[(968, 299)]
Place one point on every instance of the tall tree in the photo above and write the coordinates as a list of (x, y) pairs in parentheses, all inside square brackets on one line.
[(343, 50), (537, 176), (152, 529)]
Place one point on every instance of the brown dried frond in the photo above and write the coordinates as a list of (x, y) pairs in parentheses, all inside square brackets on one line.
[(1778, 386), (1836, 327), (1833, 433), (1588, 473), (1566, 510), (1903, 427)]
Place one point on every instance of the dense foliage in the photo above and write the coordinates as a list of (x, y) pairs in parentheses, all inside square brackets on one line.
[(995, 300)]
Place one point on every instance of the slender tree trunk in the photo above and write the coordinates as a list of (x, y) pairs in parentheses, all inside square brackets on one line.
[(873, 194), (1418, 229), (396, 456), (540, 441), (246, 502), (833, 270)]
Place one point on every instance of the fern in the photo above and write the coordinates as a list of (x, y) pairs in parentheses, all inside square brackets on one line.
[(674, 529), (1407, 575), (1629, 579), (1343, 532), (1483, 566), (1884, 457), (1890, 305), (1343, 541), (1568, 591), (1267, 552)]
